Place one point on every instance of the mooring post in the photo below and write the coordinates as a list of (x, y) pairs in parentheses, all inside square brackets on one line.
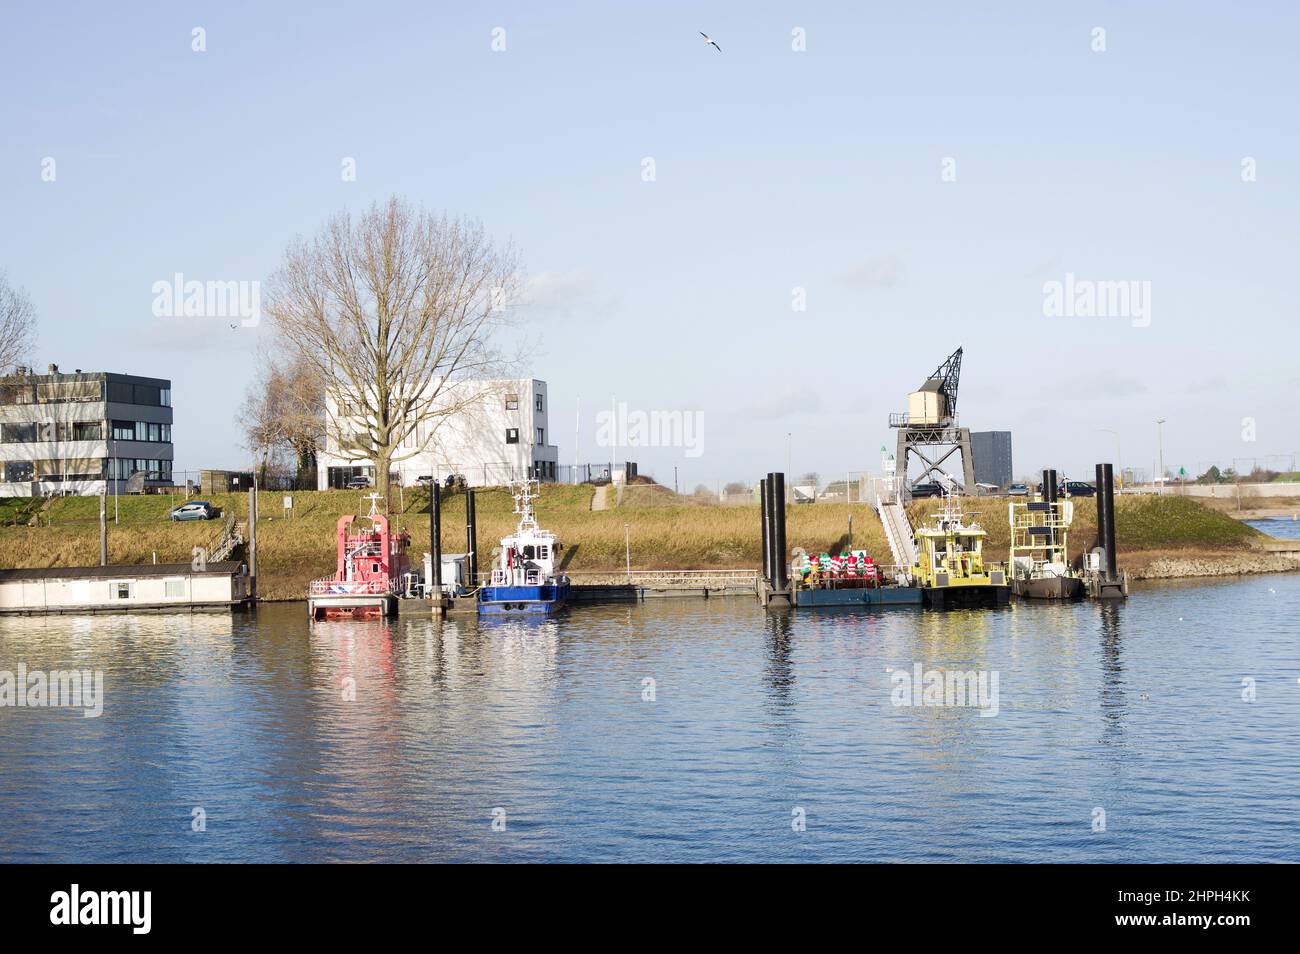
[(435, 546), (103, 527), (1103, 518), (252, 542), (780, 577), (767, 544), (1106, 488), (1049, 496), (770, 511), (471, 535)]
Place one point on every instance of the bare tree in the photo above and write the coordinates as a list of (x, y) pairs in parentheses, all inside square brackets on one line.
[(393, 310), (283, 414), (17, 325)]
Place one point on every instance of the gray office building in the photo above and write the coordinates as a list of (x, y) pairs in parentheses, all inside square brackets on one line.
[(992, 453), (83, 433)]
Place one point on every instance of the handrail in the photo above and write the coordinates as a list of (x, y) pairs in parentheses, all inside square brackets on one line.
[(332, 587)]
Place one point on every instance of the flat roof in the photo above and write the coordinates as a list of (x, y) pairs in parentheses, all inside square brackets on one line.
[(44, 378), (117, 571)]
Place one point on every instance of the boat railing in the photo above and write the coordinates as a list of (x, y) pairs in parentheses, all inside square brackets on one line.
[(670, 579), (333, 587)]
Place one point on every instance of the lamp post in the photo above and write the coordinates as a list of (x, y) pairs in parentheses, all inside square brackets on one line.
[(789, 457), (1119, 461), (114, 476), (1160, 442)]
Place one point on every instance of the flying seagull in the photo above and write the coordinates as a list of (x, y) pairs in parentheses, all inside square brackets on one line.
[(710, 41)]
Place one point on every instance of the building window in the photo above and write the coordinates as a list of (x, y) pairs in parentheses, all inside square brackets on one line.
[(87, 431), (512, 435), (541, 435), (539, 404), (14, 393), (123, 430), (18, 433), (512, 402), (121, 392), (174, 589), (18, 471), (58, 392), (148, 394), (122, 591), (70, 469)]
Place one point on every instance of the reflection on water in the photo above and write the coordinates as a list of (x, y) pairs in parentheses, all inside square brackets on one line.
[(400, 739)]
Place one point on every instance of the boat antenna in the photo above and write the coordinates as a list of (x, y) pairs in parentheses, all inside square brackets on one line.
[(522, 490)]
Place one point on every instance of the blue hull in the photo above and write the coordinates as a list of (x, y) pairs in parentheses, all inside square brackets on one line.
[(512, 600), (865, 596)]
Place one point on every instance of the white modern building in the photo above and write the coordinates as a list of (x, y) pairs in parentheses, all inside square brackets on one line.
[(498, 431), (83, 433)]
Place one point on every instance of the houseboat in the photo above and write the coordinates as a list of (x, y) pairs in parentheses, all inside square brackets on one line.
[(152, 587), (525, 578), (950, 567), (373, 570)]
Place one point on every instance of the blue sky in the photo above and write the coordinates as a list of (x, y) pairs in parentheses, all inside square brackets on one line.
[(775, 170)]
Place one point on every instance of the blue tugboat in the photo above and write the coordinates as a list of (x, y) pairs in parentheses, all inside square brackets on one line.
[(524, 579)]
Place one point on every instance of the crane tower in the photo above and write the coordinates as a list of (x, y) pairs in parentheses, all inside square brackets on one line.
[(929, 429)]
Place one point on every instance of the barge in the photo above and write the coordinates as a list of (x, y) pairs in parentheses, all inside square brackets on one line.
[(851, 579)]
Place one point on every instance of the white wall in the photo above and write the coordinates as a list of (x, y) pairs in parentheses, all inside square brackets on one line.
[(471, 442)]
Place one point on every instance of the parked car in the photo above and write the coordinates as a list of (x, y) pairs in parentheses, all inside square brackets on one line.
[(194, 510), (358, 483), (1077, 488), (927, 490), (1018, 490)]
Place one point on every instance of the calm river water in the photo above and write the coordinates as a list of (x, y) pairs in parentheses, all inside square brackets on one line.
[(752, 728)]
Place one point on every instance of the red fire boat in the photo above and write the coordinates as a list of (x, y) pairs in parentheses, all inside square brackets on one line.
[(373, 570)]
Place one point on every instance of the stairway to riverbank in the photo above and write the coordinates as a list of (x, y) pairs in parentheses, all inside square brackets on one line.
[(898, 531)]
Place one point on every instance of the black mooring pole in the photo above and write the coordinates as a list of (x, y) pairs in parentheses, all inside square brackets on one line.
[(1106, 500), (767, 543), (1049, 497), (471, 532), (435, 540), (1102, 516), (780, 564)]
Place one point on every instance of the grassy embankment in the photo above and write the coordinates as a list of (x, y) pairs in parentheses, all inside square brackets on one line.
[(664, 531)]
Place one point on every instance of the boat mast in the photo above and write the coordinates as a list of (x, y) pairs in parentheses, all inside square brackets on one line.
[(523, 494)]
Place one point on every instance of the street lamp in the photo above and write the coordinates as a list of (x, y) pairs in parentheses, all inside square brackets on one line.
[(1160, 440), (789, 462), (1119, 457)]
